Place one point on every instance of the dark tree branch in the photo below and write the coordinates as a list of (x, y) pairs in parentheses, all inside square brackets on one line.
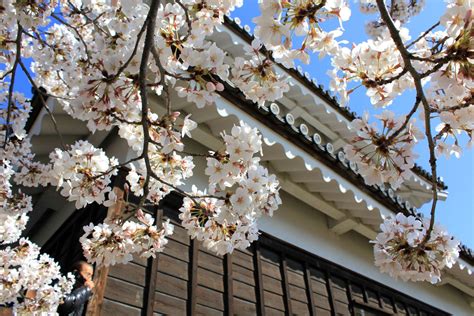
[(43, 102), (421, 96), (149, 25), (12, 82)]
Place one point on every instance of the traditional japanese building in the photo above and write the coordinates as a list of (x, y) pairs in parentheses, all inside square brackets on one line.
[(313, 256)]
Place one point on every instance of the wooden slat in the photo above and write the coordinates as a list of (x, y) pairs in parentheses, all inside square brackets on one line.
[(177, 250), (330, 296), (124, 292), (202, 310), (244, 291), (110, 307), (243, 259), (243, 307), (258, 278), (210, 262), (192, 284), (210, 279), (130, 272), (209, 298), (169, 305), (274, 300), (309, 290), (228, 286), (297, 293), (269, 311), (243, 274), (172, 286), (272, 285), (172, 266), (286, 288)]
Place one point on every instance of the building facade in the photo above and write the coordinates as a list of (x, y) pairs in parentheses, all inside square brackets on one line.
[(313, 256)]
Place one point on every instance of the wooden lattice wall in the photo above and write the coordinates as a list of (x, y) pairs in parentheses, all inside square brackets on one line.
[(270, 278)]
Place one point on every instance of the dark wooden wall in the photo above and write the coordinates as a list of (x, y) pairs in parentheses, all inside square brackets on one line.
[(270, 278)]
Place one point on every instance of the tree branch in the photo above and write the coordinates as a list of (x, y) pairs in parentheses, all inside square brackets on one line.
[(420, 95), (149, 38), (12, 82), (43, 102)]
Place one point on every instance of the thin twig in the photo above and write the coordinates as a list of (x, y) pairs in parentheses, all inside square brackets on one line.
[(43, 102), (423, 35), (135, 48), (81, 39)]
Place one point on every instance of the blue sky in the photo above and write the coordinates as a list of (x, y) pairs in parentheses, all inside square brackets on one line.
[(457, 212)]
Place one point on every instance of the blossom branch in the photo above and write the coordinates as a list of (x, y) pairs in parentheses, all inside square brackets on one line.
[(420, 95), (43, 102), (81, 39), (149, 38), (423, 34), (12, 81)]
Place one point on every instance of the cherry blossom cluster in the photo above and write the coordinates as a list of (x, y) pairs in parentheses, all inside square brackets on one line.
[(450, 91), (283, 20), (17, 117), (256, 77), (385, 157), (371, 64), (14, 207), (399, 249), (83, 173), (169, 167), (241, 191), (111, 243), (31, 282), (400, 10)]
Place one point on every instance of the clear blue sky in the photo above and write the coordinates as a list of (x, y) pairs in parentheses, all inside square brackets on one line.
[(457, 213)]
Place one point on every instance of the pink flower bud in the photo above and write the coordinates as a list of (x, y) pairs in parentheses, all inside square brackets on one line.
[(219, 87), (210, 87)]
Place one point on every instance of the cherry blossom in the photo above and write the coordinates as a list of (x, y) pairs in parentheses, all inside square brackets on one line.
[(111, 243), (384, 158), (282, 21), (23, 268), (244, 191), (83, 173), (256, 78), (399, 250)]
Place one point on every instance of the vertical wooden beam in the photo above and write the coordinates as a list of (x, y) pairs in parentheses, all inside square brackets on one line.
[(330, 295), (394, 305), (150, 276), (94, 307), (364, 294), (228, 286), (192, 273), (349, 296), (258, 279), (286, 287), (379, 298), (309, 289)]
